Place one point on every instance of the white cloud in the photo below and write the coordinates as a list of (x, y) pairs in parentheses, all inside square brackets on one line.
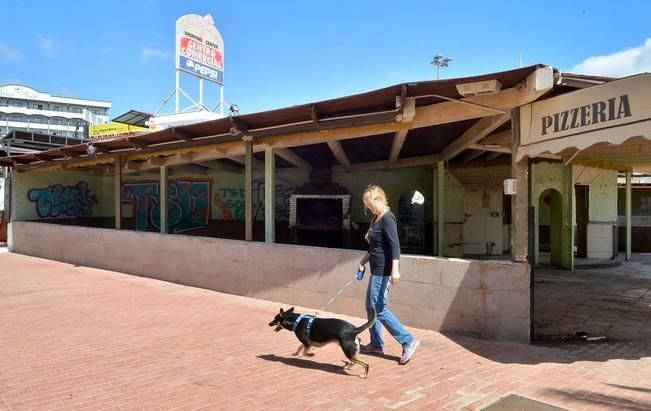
[(618, 64), (12, 55), (149, 53), (48, 45)]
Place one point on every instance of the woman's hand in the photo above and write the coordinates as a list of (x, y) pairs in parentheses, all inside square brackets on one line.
[(395, 277), (361, 267)]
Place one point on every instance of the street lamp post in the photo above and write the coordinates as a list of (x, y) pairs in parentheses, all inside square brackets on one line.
[(440, 62)]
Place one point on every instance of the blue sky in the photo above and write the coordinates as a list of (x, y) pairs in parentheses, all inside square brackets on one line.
[(279, 54)]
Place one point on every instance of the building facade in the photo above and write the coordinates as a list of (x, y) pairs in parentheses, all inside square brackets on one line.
[(25, 109)]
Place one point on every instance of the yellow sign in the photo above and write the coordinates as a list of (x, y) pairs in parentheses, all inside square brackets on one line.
[(114, 129)]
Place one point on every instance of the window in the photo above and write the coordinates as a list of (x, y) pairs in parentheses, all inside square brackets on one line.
[(3, 117), (15, 103), (645, 206), (55, 108), (38, 106), (75, 109), (16, 117), (55, 121)]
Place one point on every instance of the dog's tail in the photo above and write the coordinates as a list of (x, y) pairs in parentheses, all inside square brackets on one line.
[(368, 325)]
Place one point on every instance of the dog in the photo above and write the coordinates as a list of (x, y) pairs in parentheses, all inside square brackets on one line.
[(317, 332)]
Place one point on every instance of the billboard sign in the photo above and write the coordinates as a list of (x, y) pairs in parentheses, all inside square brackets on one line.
[(200, 48), (115, 129)]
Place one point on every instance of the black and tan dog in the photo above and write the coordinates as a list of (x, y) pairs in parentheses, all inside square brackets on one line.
[(317, 332)]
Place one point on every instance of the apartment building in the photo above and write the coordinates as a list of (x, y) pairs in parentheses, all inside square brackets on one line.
[(25, 109)]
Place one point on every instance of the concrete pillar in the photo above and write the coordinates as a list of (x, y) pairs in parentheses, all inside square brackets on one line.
[(519, 201), (248, 188), (163, 200), (117, 192), (629, 245), (269, 195)]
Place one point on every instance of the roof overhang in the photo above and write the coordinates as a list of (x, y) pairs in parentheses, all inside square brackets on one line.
[(398, 112)]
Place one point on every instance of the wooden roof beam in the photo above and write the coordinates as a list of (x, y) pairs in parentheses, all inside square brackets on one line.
[(492, 156), (385, 165), (479, 130), (340, 154), (396, 145), (471, 156), (220, 166), (288, 155), (240, 159)]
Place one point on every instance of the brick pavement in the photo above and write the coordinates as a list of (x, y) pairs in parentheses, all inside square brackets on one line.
[(76, 338)]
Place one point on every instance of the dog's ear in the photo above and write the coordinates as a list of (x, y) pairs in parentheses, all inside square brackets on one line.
[(281, 311), (291, 310)]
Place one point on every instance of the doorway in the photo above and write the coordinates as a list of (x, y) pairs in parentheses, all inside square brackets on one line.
[(550, 228), (582, 219)]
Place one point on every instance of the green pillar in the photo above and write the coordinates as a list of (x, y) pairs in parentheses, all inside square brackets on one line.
[(117, 193), (164, 220), (269, 195), (440, 193), (248, 188), (568, 219), (629, 245)]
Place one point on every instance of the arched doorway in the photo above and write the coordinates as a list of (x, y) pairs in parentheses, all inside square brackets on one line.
[(550, 228)]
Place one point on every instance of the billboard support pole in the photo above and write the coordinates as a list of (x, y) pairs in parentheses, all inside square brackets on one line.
[(221, 99), (201, 106), (176, 90)]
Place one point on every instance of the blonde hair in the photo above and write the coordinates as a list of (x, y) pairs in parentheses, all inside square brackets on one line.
[(372, 193)]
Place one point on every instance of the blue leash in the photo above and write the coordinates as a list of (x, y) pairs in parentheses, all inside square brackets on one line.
[(337, 295)]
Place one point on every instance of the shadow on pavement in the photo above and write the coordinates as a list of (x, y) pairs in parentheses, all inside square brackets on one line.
[(521, 353), (303, 363), (628, 387), (595, 398)]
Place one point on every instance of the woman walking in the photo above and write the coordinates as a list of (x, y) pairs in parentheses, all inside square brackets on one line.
[(384, 257)]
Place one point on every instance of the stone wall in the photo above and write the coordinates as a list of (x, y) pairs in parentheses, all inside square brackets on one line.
[(488, 299)]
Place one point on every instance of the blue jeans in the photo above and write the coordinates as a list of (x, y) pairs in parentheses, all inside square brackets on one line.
[(377, 295)]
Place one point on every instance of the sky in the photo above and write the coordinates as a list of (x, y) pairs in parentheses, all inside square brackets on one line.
[(278, 54)]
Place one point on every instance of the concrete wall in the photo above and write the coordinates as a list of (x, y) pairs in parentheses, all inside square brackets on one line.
[(488, 299)]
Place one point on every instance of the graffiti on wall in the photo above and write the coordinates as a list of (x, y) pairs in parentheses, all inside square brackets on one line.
[(231, 200), (188, 203), (57, 200)]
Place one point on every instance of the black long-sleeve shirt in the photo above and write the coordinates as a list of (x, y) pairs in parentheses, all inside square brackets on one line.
[(384, 244)]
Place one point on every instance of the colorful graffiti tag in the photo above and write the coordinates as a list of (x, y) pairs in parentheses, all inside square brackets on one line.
[(189, 205), (57, 200), (231, 200)]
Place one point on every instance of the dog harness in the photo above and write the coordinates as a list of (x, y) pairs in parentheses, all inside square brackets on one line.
[(309, 323)]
